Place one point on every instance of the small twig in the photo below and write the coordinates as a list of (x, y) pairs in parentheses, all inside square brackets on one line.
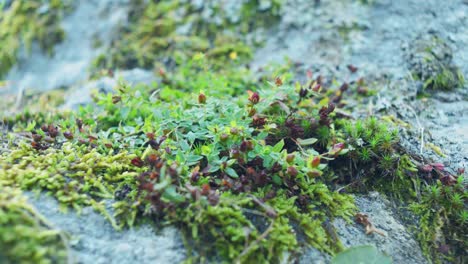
[(258, 240), (268, 209), (422, 141)]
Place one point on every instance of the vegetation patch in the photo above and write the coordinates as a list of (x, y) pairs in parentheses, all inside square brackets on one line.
[(249, 169), (245, 178), (25, 236), (23, 22), (430, 60)]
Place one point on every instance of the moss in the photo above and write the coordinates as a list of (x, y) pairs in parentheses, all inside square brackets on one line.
[(24, 22), (25, 236), (431, 62), (155, 34), (165, 35)]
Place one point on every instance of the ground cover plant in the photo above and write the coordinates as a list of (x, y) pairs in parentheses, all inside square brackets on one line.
[(246, 178)]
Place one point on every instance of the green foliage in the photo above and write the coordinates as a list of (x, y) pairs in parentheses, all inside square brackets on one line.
[(212, 167), (176, 30), (431, 61), (24, 22), (247, 176), (25, 237), (446, 79), (443, 221)]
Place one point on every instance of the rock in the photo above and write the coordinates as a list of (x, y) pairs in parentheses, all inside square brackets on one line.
[(72, 57), (94, 240), (81, 95), (397, 243), (429, 59)]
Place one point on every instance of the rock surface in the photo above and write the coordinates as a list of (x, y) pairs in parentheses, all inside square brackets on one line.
[(90, 20), (94, 240)]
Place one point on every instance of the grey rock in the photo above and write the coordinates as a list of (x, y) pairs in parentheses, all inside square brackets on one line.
[(398, 243), (94, 240), (72, 57), (81, 94)]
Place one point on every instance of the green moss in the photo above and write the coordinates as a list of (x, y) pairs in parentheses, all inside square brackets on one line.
[(431, 62), (24, 22), (25, 237), (155, 34)]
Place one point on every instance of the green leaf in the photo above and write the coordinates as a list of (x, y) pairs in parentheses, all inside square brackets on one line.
[(279, 146), (305, 142), (231, 172), (361, 255), (184, 145), (161, 185), (277, 179), (170, 193), (31, 125), (193, 159)]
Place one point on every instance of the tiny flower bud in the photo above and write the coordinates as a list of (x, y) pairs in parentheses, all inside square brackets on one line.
[(278, 81), (315, 162), (252, 112), (37, 137), (234, 131), (205, 189), (337, 148), (290, 158), (292, 171), (344, 87), (426, 168), (316, 88), (303, 92), (352, 68), (254, 98), (116, 99), (246, 146), (137, 162), (224, 137), (150, 135), (201, 98), (438, 166), (68, 135)]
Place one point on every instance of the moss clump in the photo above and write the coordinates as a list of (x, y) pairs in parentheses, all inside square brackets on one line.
[(166, 35), (25, 237), (174, 31), (26, 21), (443, 219), (430, 60)]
